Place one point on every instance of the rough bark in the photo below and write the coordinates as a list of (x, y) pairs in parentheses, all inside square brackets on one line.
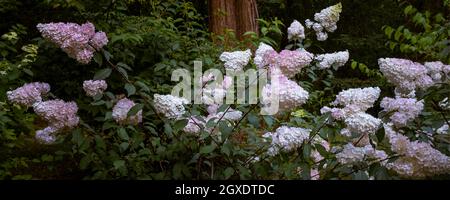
[(238, 15)]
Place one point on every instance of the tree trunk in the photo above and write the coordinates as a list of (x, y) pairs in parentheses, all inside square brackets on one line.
[(238, 15)]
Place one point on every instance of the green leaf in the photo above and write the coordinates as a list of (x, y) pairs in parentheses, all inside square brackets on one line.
[(84, 162), (98, 59), (123, 72), (119, 164), (207, 149), (360, 175), (102, 74), (211, 123), (123, 133), (135, 109), (306, 151), (124, 146), (228, 172), (269, 120), (225, 129), (180, 124), (380, 134), (130, 89)]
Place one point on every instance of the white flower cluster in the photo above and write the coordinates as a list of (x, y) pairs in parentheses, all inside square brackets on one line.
[(351, 155), (215, 92), (170, 106), (438, 71), (354, 100), (325, 21), (363, 125), (286, 139), (296, 31), (417, 159), (290, 95), (120, 112), (402, 110), (197, 124), (406, 75), (334, 60), (443, 129), (236, 60)]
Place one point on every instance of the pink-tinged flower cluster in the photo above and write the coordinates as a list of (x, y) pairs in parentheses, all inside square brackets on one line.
[(406, 75), (78, 41), (416, 159), (28, 94), (296, 31), (120, 112), (58, 113), (260, 59), (289, 62), (402, 110), (287, 93), (94, 87)]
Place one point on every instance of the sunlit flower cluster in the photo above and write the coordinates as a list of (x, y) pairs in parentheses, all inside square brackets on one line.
[(353, 155), (325, 21)]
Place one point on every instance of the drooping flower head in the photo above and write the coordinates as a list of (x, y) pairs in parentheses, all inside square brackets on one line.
[(78, 41), (28, 94)]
